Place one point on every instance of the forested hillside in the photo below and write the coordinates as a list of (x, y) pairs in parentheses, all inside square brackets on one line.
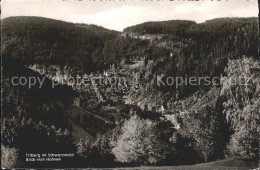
[(175, 27), (41, 40), (199, 50)]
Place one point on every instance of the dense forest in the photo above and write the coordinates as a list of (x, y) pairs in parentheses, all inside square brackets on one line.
[(41, 40), (175, 27), (201, 50)]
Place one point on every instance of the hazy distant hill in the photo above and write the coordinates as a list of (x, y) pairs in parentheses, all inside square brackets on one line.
[(187, 28), (42, 40), (161, 27)]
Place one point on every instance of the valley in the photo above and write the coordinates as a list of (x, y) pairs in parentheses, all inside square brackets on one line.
[(102, 100)]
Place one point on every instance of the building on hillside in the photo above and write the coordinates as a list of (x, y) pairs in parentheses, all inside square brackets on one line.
[(54, 67), (158, 108), (76, 101), (163, 108)]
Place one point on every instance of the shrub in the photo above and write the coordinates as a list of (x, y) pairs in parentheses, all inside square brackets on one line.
[(83, 148), (31, 137), (9, 157), (208, 132), (241, 87), (138, 142)]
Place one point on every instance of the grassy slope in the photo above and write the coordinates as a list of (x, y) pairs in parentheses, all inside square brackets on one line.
[(231, 163)]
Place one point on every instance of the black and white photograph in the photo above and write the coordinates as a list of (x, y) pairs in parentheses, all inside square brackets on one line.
[(130, 84)]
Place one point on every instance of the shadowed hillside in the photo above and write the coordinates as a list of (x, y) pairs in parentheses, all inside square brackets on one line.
[(41, 40)]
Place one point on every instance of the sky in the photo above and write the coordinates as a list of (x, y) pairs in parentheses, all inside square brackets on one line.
[(118, 15)]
